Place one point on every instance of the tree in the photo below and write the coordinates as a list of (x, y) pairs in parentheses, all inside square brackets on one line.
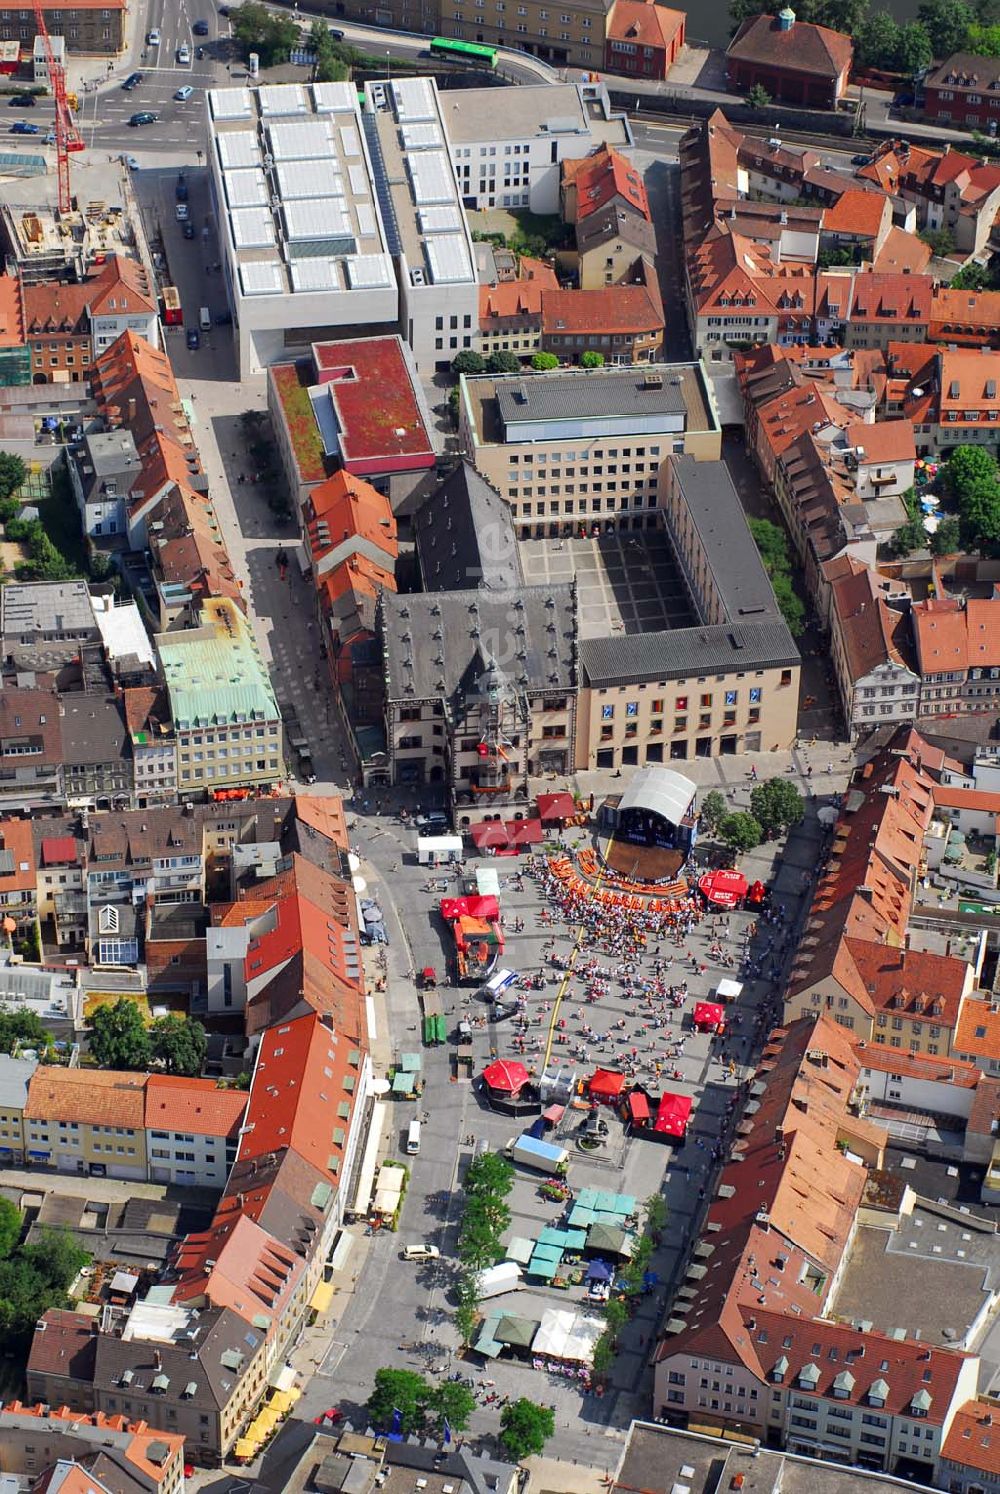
[(503, 363), (453, 1403), (713, 810), (468, 362), (525, 1428), (790, 604), (776, 805), (544, 361), (23, 1027), (969, 467), (118, 1036), (11, 1224), (940, 241), (604, 1354), (272, 37), (913, 51), (491, 1173), (772, 542), (478, 1242), (401, 1391), (946, 538), (656, 1213), (947, 23), (12, 473), (740, 831), (616, 1316), (876, 40), (758, 97), (979, 519), (909, 537), (591, 360), (56, 1257), (842, 15), (179, 1044), (972, 277)]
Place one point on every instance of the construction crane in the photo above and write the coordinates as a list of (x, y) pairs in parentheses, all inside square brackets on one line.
[(68, 137)]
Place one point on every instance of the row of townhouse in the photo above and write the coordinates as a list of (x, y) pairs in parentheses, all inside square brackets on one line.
[(779, 249), (199, 1352), (754, 1341)]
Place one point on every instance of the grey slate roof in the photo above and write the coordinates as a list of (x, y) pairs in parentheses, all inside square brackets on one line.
[(436, 644), (465, 536), (35, 609), (687, 651), (588, 394), (615, 223), (221, 1331), (14, 1076), (733, 558), (93, 731)]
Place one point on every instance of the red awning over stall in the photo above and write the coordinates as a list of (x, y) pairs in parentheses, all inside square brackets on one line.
[(505, 1077), (724, 888), (673, 1114), (555, 808), (707, 1015), (638, 1106), (606, 1084)]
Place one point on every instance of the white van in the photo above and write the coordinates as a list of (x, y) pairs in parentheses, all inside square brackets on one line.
[(205, 319), (421, 1253), (413, 1138)]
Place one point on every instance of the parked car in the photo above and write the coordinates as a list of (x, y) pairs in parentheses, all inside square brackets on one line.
[(199, 53), (22, 127), (334, 34), (144, 117), (183, 94), (132, 81), (22, 101), (193, 339), (434, 822), (188, 230), (421, 1253), (200, 28)]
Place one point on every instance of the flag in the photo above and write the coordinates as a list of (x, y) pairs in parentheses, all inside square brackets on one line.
[(447, 1432), (397, 1422)]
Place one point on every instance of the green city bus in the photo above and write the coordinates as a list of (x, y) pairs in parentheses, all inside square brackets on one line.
[(465, 51)]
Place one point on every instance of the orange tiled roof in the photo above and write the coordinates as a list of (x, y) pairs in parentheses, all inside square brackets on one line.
[(195, 1105), (11, 312), (885, 441), (902, 252), (16, 837), (607, 174), (856, 212), (978, 1031), (914, 982), (346, 508), (645, 23), (973, 1438), (93, 1097), (952, 636), (891, 298), (623, 309), (953, 1071)]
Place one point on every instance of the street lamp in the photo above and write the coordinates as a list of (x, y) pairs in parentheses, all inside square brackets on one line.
[(387, 64)]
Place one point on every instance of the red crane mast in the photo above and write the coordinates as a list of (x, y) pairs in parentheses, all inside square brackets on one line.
[(68, 137)]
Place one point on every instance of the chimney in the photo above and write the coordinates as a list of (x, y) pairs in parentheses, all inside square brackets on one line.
[(131, 409)]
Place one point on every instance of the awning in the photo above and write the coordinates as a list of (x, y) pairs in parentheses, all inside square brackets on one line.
[(638, 1106), (673, 1114), (708, 1014), (505, 1077), (600, 1271), (322, 1296), (246, 1447), (469, 907), (282, 1377), (519, 1249), (555, 808), (489, 833), (729, 990), (607, 1084), (724, 888), (554, 1114), (524, 832)]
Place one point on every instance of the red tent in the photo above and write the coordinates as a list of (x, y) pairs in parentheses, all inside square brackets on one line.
[(489, 833), (708, 1017), (672, 1115), (454, 907), (606, 1084), (555, 808), (506, 1078), (469, 907), (726, 889), (524, 832), (638, 1108)]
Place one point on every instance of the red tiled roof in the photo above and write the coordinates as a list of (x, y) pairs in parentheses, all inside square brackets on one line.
[(911, 981), (902, 252), (195, 1105), (872, 632), (607, 174), (347, 510), (298, 1098), (252, 1273), (918, 1065), (973, 1438), (978, 1031), (891, 298), (11, 312), (91, 1097), (645, 23), (886, 441), (16, 837), (803, 48), (625, 309), (952, 636), (58, 850)]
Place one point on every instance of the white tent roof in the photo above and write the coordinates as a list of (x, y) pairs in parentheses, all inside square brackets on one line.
[(729, 990), (660, 790), (563, 1334)]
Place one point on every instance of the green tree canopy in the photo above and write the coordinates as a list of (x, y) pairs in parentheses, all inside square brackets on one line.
[(492, 1173), (790, 604), (544, 361), (468, 362), (913, 49), (453, 1403), (713, 809), (11, 1224), (776, 805), (503, 362), (12, 473), (940, 241), (876, 40), (180, 1044), (22, 1027), (947, 537), (591, 360), (772, 542), (909, 537), (969, 467), (398, 1390), (656, 1213), (947, 24), (118, 1036), (741, 831), (979, 519), (258, 30), (525, 1428), (758, 97)]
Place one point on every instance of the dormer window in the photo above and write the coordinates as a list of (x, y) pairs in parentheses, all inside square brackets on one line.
[(780, 1370), (808, 1377)]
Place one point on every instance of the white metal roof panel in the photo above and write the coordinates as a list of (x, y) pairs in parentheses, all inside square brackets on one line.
[(253, 227), (230, 103), (301, 140), (367, 226), (446, 219), (414, 99), (448, 259), (246, 188), (350, 143), (261, 278), (308, 179), (316, 274), (358, 178), (238, 148), (317, 218), (335, 98), (365, 271), (278, 99), (430, 173), (422, 136)]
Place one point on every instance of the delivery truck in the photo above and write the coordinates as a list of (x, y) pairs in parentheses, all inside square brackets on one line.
[(496, 1280), (541, 1155)]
